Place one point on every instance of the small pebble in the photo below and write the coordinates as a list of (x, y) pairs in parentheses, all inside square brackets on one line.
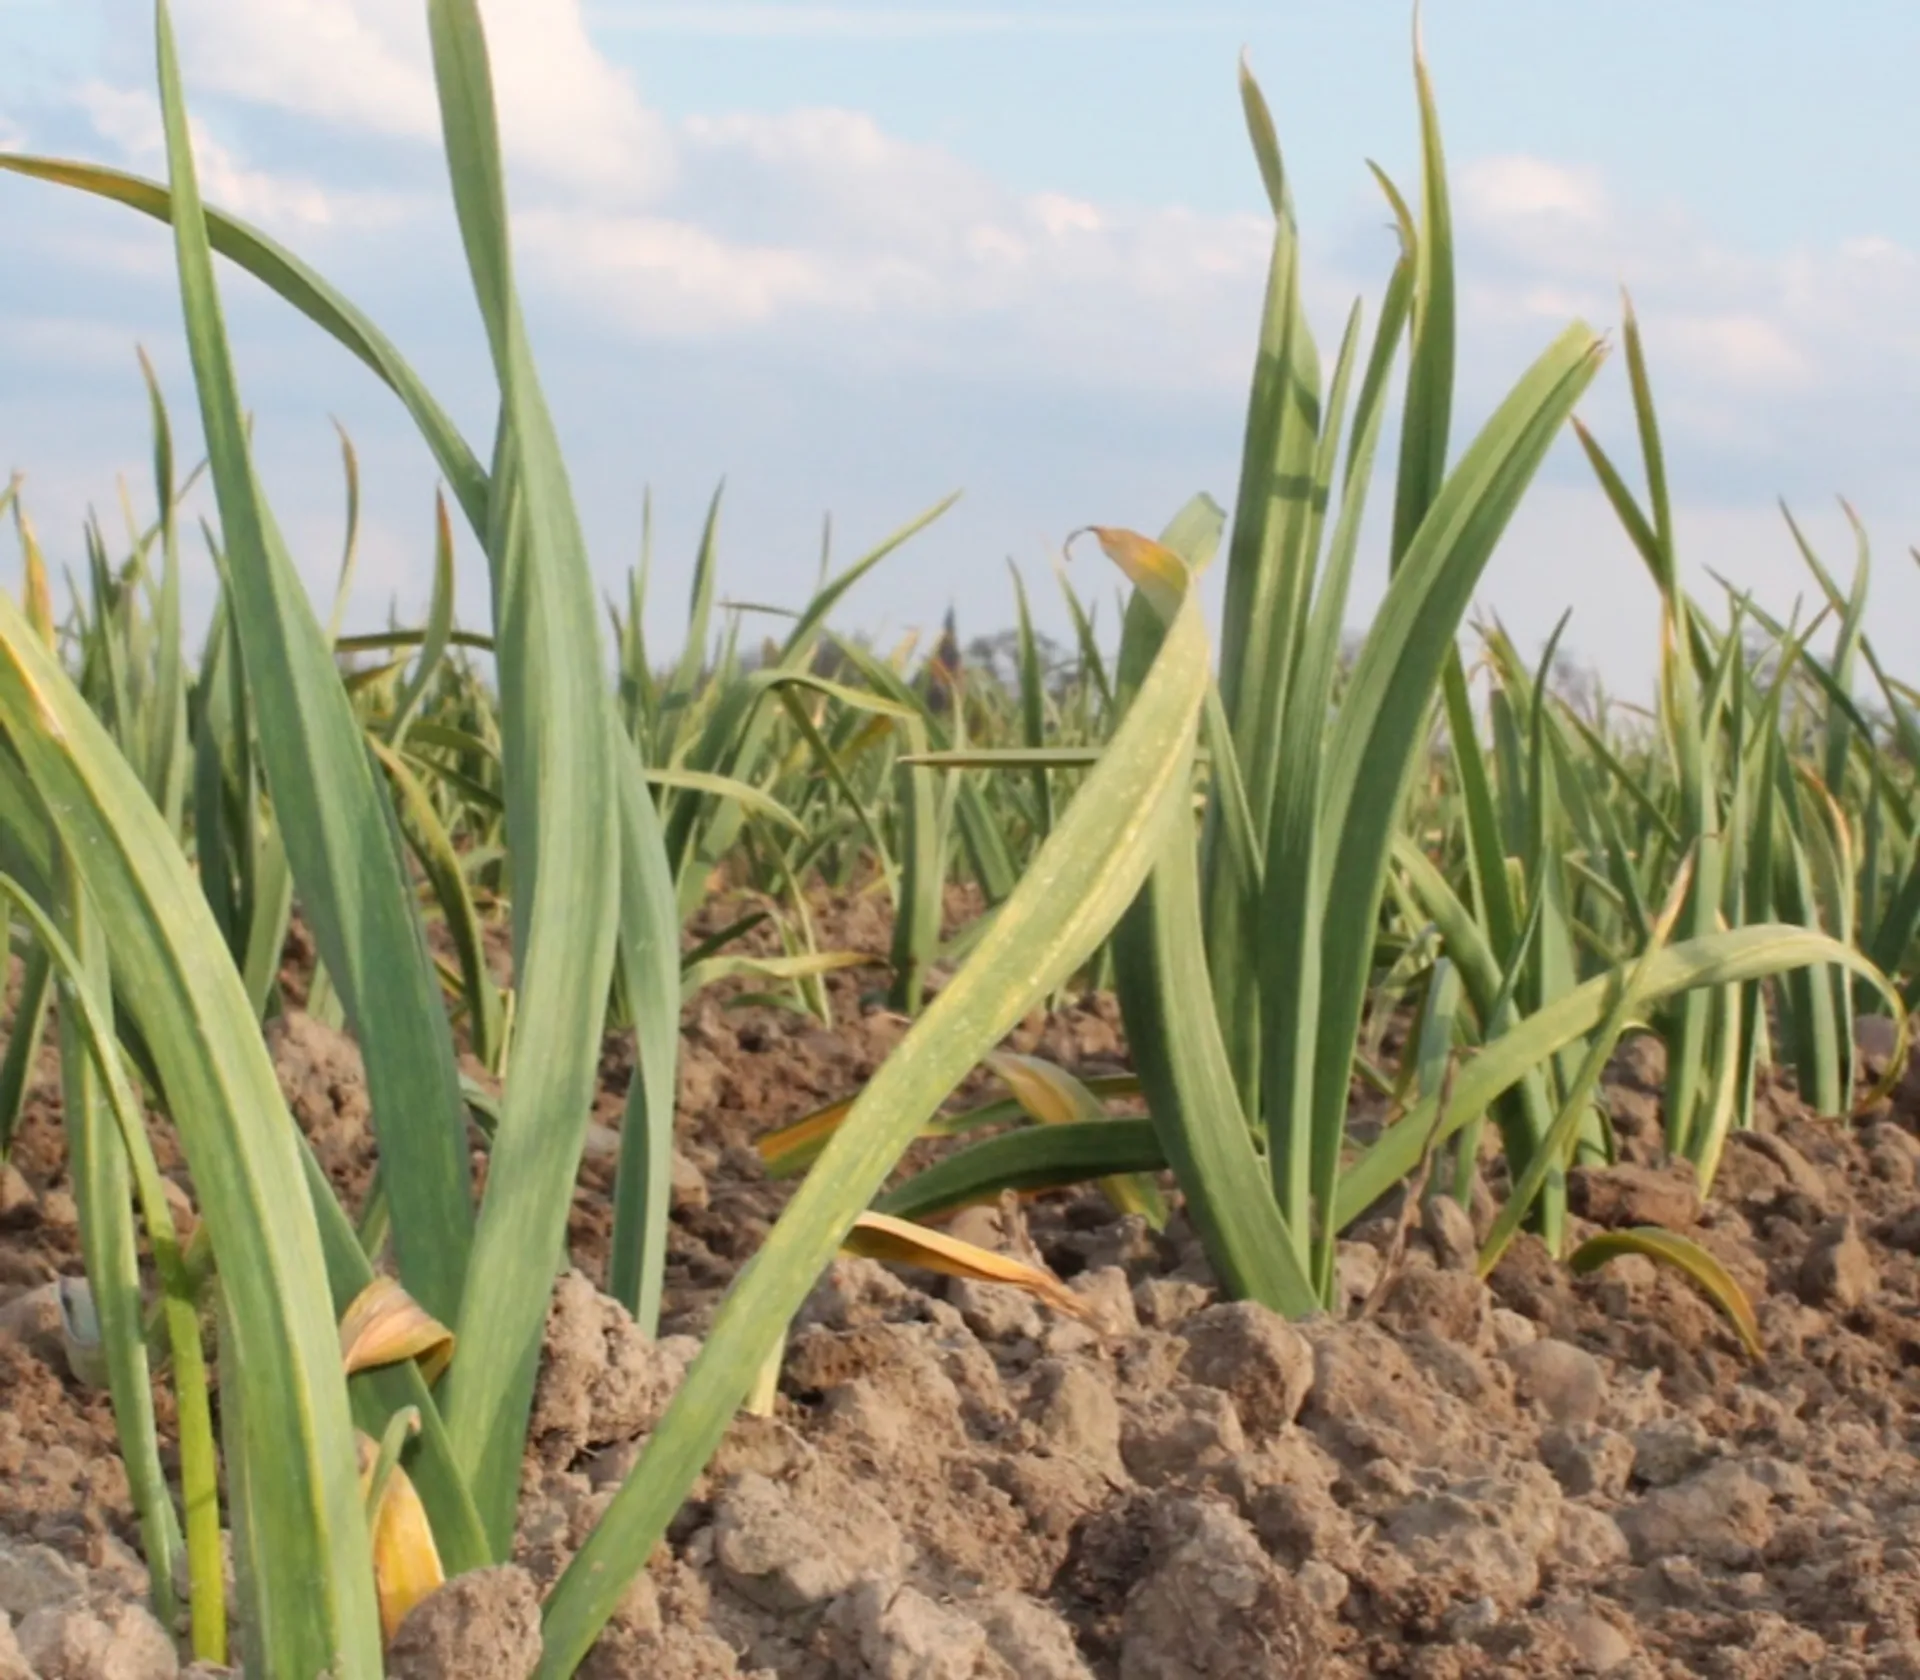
[(1448, 1228), (1838, 1270)]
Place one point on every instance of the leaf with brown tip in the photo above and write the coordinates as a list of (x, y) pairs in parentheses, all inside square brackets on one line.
[(1151, 567)]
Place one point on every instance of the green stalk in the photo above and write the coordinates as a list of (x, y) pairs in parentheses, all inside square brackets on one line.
[(1033, 703), (102, 1185), (112, 1152), (563, 799), (166, 709), (178, 984), (1628, 987), (29, 1023), (650, 969)]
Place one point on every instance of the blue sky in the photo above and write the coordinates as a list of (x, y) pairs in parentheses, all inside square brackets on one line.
[(853, 256)]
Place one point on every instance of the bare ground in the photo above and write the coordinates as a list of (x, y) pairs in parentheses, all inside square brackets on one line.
[(1543, 1475)]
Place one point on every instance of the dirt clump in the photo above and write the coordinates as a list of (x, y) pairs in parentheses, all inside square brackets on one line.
[(1212, 1602), (601, 1380), (1255, 1356), (484, 1625), (1633, 1194)]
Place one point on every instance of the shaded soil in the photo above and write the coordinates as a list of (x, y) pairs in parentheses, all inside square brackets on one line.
[(1542, 1475)]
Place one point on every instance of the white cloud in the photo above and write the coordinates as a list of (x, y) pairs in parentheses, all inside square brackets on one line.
[(826, 173), (667, 277), (1059, 214), (130, 121), (363, 66), (731, 221), (1755, 352), (565, 110), (818, 221), (821, 224), (126, 248), (1513, 189), (1741, 349)]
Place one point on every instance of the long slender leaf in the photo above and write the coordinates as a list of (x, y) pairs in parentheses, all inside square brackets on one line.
[(1076, 888), (328, 806), (562, 821)]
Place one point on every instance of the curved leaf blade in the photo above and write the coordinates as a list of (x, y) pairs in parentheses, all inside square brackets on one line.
[(174, 974), (1686, 1256), (1077, 886)]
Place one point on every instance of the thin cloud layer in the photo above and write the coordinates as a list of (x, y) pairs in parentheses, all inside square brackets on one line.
[(1792, 321), (819, 224), (797, 250)]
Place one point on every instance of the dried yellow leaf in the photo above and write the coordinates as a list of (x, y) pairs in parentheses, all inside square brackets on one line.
[(385, 1325), (879, 1236), (1049, 1094), (788, 1148), (1053, 1097), (406, 1562)]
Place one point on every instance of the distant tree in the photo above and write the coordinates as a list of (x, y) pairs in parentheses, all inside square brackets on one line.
[(1578, 684), (998, 657)]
